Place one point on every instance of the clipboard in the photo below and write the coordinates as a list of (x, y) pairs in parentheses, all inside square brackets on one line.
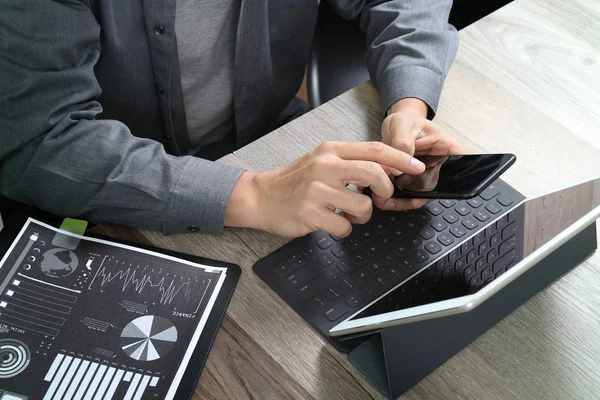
[(14, 222)]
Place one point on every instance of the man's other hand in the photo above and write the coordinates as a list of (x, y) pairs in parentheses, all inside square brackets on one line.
[(302, 197)]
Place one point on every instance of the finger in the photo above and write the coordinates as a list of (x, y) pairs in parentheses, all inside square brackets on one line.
[(355, 220), (401, 133), (403, 204), (380, 153), (335, 224), (390, 170), (355, 204), (364, 173)]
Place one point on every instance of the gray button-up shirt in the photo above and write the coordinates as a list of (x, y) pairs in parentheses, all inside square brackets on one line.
[(92, 119)]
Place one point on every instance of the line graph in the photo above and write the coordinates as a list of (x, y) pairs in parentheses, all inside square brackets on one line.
[(164, 287)]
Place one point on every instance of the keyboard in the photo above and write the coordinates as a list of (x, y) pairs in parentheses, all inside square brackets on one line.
[(401, 258)]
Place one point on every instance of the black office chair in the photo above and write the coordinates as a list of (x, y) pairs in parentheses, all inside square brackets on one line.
[(337, 58)]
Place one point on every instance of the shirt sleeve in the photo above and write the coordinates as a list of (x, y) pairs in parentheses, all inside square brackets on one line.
[(54, 152), (411, 46)]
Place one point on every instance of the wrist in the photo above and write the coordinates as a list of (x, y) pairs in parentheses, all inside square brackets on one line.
[(242, 209), (410, 106)]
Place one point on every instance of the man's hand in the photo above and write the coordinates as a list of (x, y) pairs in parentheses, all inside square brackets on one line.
[(407, 128), (301, 197)]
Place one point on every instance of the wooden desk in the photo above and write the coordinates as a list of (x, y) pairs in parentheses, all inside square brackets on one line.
[(526, 80)]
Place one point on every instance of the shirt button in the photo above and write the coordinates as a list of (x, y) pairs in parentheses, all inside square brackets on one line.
[(193, 228), (159, 30), (169, 137), (160, 89)]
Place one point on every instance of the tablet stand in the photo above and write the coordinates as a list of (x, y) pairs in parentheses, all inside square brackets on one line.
[(394, 359)]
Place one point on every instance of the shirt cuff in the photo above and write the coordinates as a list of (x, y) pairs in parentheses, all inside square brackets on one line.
[(200, 197), (411, 81)]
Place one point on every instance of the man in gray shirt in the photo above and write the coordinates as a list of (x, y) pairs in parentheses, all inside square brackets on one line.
[(114, 110)]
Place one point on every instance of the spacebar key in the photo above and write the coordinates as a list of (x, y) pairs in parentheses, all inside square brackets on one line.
[(336, 311)]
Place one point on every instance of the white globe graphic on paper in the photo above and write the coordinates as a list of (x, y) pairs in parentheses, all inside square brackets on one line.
[(58, 263)]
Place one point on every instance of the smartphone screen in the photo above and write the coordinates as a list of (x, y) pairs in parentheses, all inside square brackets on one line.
[(456, 176)]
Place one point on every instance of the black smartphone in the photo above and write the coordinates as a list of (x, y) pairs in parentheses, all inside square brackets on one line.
[(453, 177)]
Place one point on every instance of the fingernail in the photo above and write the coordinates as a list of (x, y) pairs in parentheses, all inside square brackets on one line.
[(418, 165)]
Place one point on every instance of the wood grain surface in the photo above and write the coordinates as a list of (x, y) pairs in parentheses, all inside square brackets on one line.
[(526, 80)]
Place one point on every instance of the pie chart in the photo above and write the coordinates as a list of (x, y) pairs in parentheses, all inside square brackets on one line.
[(148, 338)]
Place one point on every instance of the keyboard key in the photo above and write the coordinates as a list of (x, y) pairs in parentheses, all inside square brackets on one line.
[(371, 250), (378, 229), (492, 256), (426, 233), (511, 216), (469, 272), (483, 248), (303, 275), (367, 236), (294, 257), (481, 215), (336, 312), (325, 259), (500, 273), (340, 289), (361, 276), (480, 264), (447, 203), (505, 201), (475, 202), (470, 224), (312, 251), (493, 208), (476, 281), (284, 269), (385, 242), (324, 243), (352, 244), (367, 291), (489, 231), (412, 226), (353, 300), (392, 220), (471, 257), (389, 258), (462, 209), (486, 274), (509, 231), (453, 256), (336, 238), (434, 209), (466, 247), (433, 247), (407, 265), (382, 282), (348, 283), (331, 273), (501, 223), (313, 288), (477, 239), (375, 267), (442, 264), (420, 256), (344, 267), (394, 273), (359, 258), (495, 240), (339, 251), (449, 273), (319, 301), (458, 231), (504, 261), (413, 243), (460, 265), (508, 245), (451, 217), (490, 192), (444, 239), (398, 234), (401, 249), (439, 225)]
